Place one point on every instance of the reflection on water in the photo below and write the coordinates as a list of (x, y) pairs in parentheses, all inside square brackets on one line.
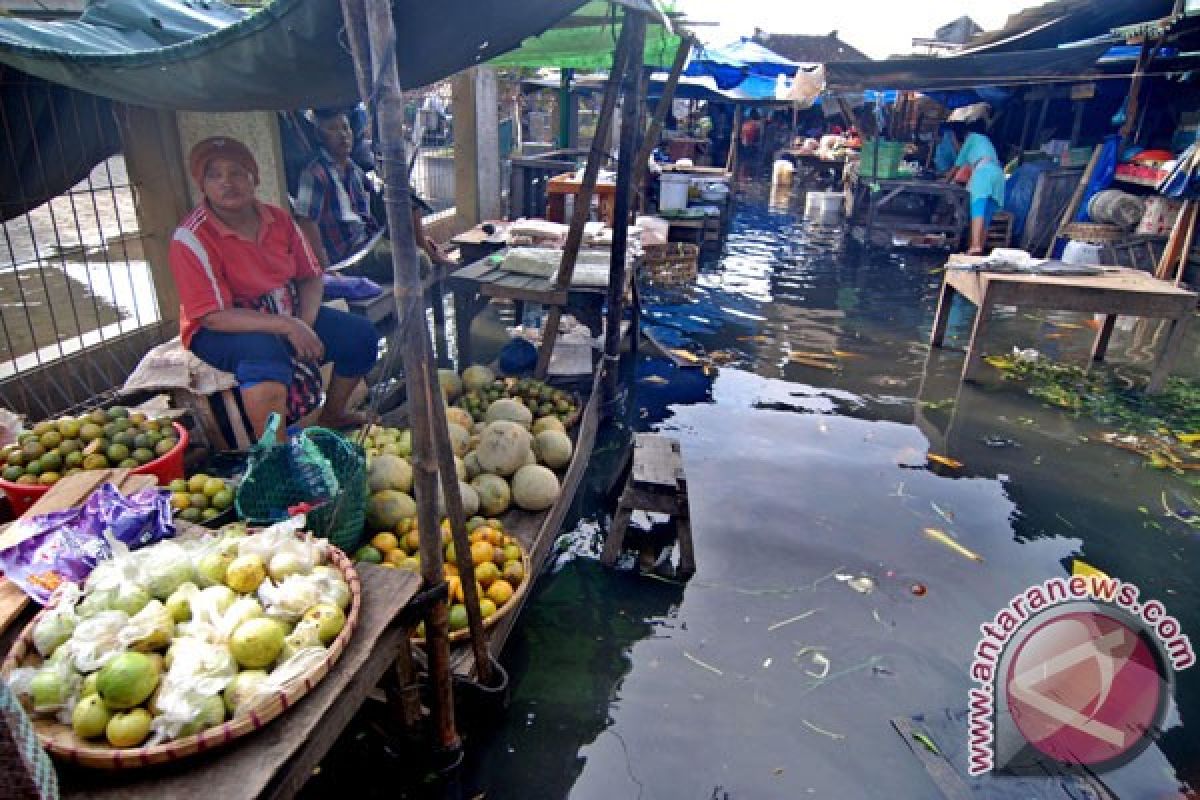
[(626, 687)]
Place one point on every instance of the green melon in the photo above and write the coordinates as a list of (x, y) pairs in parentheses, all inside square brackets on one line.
[(511, 410), (477, 377), (387, 508), (389, 472), (534, 488), (553, 448), (502, 448), (494, 494)]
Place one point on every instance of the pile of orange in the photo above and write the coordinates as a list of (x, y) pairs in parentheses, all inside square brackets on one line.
[(498, 564)]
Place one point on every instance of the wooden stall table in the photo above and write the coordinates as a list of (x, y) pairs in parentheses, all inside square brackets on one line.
[(474, 285), (277, 760), (558, 187), (688, 147), (1117, 291), (875, 199), (476, 243)]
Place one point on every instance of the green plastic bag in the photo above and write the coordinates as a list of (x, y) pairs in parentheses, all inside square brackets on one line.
[(318, 469)]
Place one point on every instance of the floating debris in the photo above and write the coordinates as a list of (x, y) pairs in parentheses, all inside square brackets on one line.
[(821, 661), (654, 380), (790, 620), (863, 584), (766, 663), (949, 541), (945, 461), (927, 743), (918, 589), (993, 440), (941, 512), (808, 361), (702, 664), (835, 736)]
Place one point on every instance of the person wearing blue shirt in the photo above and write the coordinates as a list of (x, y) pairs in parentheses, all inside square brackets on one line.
[(986, 184), (947, 147)]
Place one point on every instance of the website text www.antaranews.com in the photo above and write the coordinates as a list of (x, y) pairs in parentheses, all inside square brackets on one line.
[(997, 633)]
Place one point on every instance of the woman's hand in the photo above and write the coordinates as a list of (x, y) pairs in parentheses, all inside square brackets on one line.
[(303, 339)]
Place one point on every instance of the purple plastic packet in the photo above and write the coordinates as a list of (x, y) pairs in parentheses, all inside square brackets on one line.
[(66, 545)]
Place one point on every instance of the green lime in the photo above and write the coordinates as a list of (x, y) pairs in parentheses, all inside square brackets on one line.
[(368, 554), (126, 438), (222, 499), (165, 446), (27, 479), (69, 428), (143, 455), (13, 472), (73, 459), (70, 446), (198, 500), (51, 460), (95, 461), (90, 431), (51, 439), (34, 467), (178, 485), (33, 449), (209, 513), (458, 617), (48, 478), (212, 486), (16, 458), (98, 416), (117, 452), (190, 514), (118, 412), (43, 428), (137, 418), (129, 463), (143, 440)]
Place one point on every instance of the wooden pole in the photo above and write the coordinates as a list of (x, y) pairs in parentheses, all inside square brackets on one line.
[(583, 200), (1076, 198), (372, 40), (632, 92), (1135, 88), (731, 158), (660, 110)]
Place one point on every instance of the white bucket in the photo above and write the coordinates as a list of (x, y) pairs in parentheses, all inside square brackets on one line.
[(820, 204), (782, 172), (1081, 253), (673, 190)]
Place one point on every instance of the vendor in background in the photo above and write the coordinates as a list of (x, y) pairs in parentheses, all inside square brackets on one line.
[(750, 136), (333, 206), (250, 292), (950, 138), (984, 177)]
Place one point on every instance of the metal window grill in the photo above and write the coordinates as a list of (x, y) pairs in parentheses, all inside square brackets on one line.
[(78, 306)]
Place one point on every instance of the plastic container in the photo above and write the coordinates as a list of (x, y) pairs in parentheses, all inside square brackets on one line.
[(1081, 253), (673, 191), (782, 173), (890, 156), (823, 204), (165, 468)]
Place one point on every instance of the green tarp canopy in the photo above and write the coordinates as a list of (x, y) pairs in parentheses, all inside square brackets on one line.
[(586, 40)]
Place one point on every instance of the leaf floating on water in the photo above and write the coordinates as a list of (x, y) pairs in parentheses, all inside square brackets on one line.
[(835, 736), (759, 339), (685, 355), (946, 539), (846, 354), (807, 361), (1188, 438), (863, 584), (1070, 326), (821, 661), (654, 380), (927, 742), (702, 664), (945, 461), (941, 512), (790, 620)]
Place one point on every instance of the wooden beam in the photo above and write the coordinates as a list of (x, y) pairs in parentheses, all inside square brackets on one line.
[(633, 84), (660, 110), (372, 40), (583, 199)]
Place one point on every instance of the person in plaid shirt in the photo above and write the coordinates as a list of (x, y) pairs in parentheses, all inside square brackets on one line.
[(333, 206)]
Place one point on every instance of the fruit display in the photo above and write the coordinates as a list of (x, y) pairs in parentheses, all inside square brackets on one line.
[(164, 642), (99, 439), (201, 497), (537, 398), (500, 565)]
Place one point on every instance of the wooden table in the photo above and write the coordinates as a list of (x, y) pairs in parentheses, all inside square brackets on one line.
[(825, 171), (277, 760), (474, 285), (1118, 291), (560, 186), (875, 199), (476, 243)]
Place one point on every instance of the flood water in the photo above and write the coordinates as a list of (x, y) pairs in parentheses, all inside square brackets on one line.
[(625, 686)]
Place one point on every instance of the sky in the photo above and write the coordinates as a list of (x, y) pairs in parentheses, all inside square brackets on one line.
[(879, 28)]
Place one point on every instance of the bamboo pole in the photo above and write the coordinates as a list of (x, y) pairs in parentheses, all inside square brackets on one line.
[(373, 42), (583, 199), (632, 91), (660, 110), (734, 136)]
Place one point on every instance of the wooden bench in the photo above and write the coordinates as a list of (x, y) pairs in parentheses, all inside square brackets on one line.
[(656, 483)]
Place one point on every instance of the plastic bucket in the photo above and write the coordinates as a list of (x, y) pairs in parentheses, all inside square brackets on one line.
[(165, 468), (782, 172), (673, 191), (823, 204), (1081, 253)]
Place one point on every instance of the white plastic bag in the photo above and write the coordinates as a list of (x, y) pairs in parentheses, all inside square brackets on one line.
[(58, 622), (200, 671), (97, 641)]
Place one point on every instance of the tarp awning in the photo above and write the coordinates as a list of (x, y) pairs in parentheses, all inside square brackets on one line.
[(965, 71), (729, 65), (586, 41), (291, 54)]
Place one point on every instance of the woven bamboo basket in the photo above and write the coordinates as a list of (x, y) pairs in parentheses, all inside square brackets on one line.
[(61, 742), (501, 613), (671, 264), (1092, 232)]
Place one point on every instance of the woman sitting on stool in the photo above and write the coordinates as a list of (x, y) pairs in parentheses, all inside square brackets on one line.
[(250, 293)]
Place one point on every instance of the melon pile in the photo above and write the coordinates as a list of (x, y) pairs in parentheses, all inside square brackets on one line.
[(177, 637), (506, 455)]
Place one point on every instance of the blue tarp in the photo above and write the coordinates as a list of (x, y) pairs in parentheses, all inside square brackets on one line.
[(729, 65)]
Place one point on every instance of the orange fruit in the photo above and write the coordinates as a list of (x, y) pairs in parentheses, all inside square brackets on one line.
[(487, 573), (385, 542), (475, 536), (511, 553), (395, 556), (481, 552), (412, 541), (494, 537), (500, 592), (455, 584), (514, 572)]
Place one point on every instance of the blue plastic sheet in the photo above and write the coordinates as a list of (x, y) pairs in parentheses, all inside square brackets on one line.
[(1102, 175)]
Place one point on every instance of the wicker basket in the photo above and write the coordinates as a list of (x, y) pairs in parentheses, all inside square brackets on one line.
[(61, 742), (671, 264), (1092, 232)]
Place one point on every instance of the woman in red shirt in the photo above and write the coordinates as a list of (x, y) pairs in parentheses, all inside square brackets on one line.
[(250, 293)]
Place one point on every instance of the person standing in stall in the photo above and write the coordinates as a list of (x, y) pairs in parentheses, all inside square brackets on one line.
[(978, 166)]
